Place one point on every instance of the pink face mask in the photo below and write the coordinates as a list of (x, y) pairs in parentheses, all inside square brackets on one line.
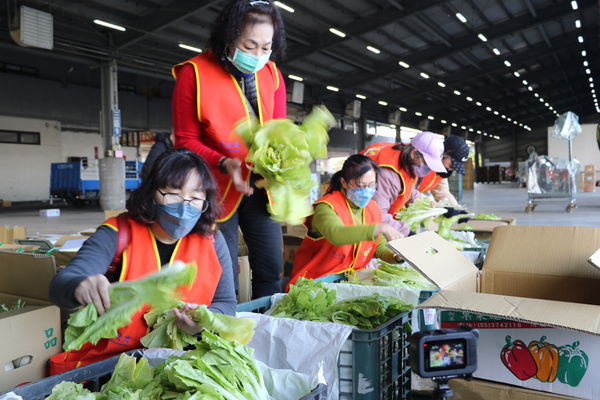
[(421, 171)]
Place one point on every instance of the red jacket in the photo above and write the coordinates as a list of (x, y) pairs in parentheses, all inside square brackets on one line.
[(429, 181)]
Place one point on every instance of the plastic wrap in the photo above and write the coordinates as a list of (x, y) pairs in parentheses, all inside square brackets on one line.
[(567, 126), (552, 175)]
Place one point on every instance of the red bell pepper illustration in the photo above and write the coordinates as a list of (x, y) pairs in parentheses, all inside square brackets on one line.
[(516, 357)]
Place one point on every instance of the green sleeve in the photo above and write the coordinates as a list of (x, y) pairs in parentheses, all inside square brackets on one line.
[(326, 223), (383, 252)]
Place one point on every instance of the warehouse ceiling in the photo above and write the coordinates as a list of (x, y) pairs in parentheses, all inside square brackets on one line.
[(493, 67)]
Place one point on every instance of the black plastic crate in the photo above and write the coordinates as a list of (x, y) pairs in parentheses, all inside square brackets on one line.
[(97, 374)]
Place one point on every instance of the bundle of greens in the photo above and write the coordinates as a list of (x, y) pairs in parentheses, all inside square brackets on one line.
[(306, 300), (490, 217), (158, 291), (419, 213), (18, 304), (367, 312), (165, 333), (309, 301), (217, 369), (281, 152), (396, 275), (444, 225)]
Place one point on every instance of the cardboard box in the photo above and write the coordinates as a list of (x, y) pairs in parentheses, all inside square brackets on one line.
[(478, 389), (5, 203), (32, 331), (8, 234), (30, 336), (294, 230), (244, 280), (290, 246), (112, 213), (50, 212), (483, 228), (535, 282), (589, 178)]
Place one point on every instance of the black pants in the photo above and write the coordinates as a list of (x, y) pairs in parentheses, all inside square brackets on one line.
[(264, 240)]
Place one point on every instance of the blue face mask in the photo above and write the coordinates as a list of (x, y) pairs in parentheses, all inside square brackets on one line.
[(249, 63), (177, 220), (360, 196), (422, 170)]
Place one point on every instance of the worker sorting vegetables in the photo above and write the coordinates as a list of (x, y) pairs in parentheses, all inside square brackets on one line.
[(346, 230), (171, 217), (456, 153), (401, 166)]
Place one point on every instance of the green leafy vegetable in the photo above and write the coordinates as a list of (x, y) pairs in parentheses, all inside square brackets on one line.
[(308, 300), (281, 152), (158, 291), (18, 304), (166, 334), (70, 391), (396, 275), (366, 312), (218, 369), (444, 225), (491, 217), (419, 213)]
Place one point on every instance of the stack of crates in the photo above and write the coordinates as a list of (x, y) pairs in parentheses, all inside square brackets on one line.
[(373, 364)]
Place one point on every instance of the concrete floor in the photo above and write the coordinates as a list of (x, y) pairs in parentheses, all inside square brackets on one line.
[(502, 199)]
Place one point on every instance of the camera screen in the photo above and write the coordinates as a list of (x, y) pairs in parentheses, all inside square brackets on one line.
[(449, 354)]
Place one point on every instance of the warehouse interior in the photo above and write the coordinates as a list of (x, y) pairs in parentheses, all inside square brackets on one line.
[(86, 87)]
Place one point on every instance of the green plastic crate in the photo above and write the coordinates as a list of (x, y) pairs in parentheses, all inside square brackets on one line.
[(379, 356)]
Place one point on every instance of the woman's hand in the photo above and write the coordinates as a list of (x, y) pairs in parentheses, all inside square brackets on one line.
[(388, 231), (184, 322), (94, 289), (233, 166)]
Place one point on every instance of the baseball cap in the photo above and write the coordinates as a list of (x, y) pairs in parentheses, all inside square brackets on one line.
[(457, 148), (431, 146)]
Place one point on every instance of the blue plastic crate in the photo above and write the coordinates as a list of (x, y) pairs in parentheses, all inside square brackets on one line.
[(97, 374)]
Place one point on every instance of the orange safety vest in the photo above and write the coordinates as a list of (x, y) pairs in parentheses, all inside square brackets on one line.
[(221, 105), (141, 258), (386, 156), (429, 181), (319, 257)]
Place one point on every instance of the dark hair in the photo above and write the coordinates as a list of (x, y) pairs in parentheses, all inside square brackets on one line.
[(234, 18), (354, 167), (406, 160), (171, 169)]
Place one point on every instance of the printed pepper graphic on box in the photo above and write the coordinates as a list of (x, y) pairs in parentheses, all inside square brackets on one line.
[(546, 357), (517, 358), (572, 364)]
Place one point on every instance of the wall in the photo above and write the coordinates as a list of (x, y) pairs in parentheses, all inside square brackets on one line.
[(585, 146), (26, 168), (81, 144)]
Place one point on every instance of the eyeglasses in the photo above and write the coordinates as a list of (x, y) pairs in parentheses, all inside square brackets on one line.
[(371, 186), (174, 198)]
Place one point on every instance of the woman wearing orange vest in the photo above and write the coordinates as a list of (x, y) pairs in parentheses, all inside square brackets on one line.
[(345, 232), (170, 218), (456, 153), (232, 82), (401, 166)]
